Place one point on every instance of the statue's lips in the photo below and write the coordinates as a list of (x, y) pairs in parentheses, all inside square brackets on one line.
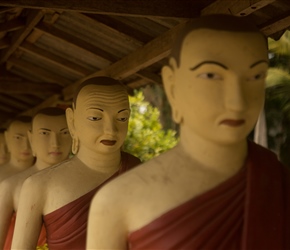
[(108, 142), (232, 123), (25, 153), (55, 153)]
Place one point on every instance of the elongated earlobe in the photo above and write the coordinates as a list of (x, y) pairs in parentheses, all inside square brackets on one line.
[(168, 77)]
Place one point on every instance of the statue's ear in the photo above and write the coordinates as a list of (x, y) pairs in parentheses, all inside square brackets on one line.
[(29, 135), (6, 136), (69, 112), (168, 78)]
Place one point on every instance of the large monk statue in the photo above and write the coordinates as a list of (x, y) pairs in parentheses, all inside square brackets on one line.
[(51, 143), (18, 146), (4, 154), (60, 195), (215, 189)]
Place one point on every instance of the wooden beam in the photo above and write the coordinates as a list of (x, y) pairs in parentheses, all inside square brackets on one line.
[(276, 24), (19, 87), (123, 25), (39, 72), (50, 102), (151, 53), (150, 77), (138, 83), (5, 118), (3, 10), (54, 59), (13, 103), (235, 7), (102, 55), (5, 107), (8, 76), (161, 8), (114, 32), (33, 18), (4, 43), (12, 25)]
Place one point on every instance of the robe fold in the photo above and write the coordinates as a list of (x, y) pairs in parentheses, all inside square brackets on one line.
[(9, 236), (67, 226), (249, 211)]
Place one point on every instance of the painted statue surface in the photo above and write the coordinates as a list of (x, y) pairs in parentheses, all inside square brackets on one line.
[(50, 142), (213, 190), (59, 196)]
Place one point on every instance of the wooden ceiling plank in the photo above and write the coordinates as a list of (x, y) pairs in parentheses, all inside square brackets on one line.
[(150, 77), (138, 83), (15, 104), (41, 73), (49, 102), (123, 25), (14, 24), (33, 18), (8, 76), (54, 59), (235, 7), (4, 43), (89, 19), (6, 9), (152, 52), (19, 87), (76, 42), (276, 25), (5, 107), (160, 8)]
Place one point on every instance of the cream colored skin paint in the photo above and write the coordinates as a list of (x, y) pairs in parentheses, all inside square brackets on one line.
[(51, 143), (99, 124), (216, 95), (4, 154), (18, 145)]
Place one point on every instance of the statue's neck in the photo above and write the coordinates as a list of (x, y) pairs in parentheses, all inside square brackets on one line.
[(223, 158)]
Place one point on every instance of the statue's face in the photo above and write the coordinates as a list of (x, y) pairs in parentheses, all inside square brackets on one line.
[(50, 139), (101, 118), (4, 155), (17, 141), (219, 84)]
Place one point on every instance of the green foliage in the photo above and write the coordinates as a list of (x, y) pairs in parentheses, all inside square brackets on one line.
[(146, 138), (277, 104)]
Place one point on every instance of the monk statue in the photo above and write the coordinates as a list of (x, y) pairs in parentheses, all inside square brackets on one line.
[(60, 195), (18, 146), (4, 154), (51, 143), (215, 189)]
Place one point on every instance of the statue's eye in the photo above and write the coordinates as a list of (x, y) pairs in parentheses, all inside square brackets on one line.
[(94, 118), (210, 75), (123, 119), (258, 76)]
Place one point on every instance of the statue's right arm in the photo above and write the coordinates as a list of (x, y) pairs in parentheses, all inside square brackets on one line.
[(29, 215)]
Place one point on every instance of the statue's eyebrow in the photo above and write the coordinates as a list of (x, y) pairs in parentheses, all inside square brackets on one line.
[(96, 108), (46, 129), (208, 62), (123, 110), (258, 62)]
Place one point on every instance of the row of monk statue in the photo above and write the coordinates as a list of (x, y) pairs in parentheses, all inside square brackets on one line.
[(65, 181)]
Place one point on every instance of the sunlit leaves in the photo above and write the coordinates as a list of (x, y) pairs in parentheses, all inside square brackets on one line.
[(146, 137)]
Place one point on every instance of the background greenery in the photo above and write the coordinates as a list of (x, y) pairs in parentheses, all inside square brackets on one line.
[(277, 105), (146, 137)]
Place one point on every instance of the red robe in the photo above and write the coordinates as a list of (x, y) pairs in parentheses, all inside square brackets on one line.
[(67, 226), (9, 236), (249, 211)]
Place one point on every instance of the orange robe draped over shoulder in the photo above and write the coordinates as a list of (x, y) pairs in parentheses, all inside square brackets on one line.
[(249, 211), (67, 226)]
